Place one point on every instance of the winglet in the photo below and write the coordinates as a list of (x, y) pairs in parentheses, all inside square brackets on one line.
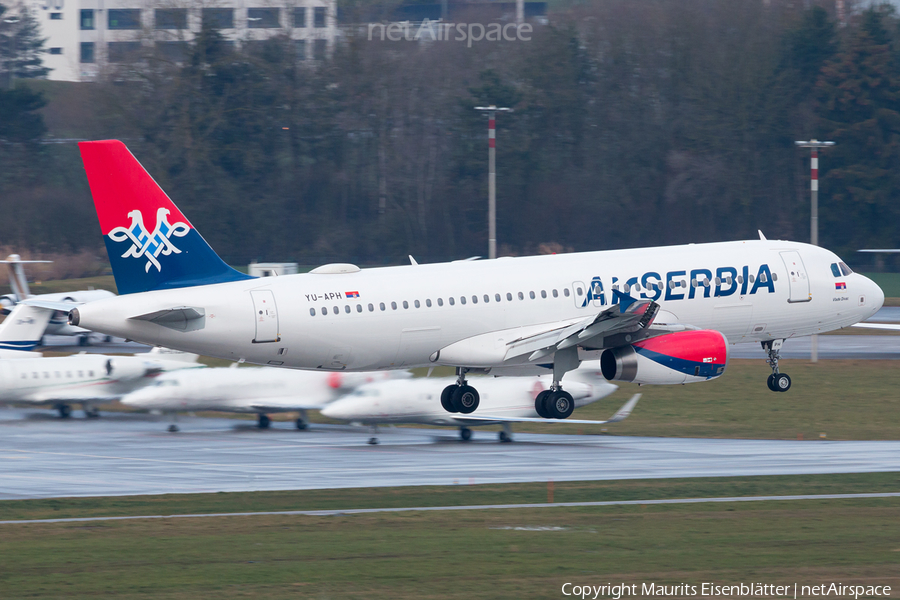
[(761, 236), (624, 412), (623, 300)]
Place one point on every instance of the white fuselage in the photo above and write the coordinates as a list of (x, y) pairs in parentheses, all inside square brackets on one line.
[(253, 390), (79, 378), (400, 316), (418, 400)]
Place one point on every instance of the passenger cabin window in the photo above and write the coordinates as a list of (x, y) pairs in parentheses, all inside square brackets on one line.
[(497, 297), (347, 308), (774, 276), (416, 303), (555, 293), (487, 298), (324, 310), (312, 312), (428, 302), (543, 293), (359, 307), (371, 307), (566, 292), (521, 296), (451, 300), (393, 306), (462, 299), (474, 299), (531, 295), (509, 296), (336, 310), (381, 306), (405, 304), (440, 301)]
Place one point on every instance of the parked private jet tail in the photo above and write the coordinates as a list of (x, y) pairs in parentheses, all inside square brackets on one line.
[(132, 207)]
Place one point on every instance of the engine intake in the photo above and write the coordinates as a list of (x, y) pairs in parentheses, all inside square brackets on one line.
[(680, 357)]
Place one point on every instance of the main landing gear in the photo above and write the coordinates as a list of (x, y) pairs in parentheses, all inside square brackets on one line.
[(264, 421), (460, 397), (65, 411), (777, 382), (554, 403)]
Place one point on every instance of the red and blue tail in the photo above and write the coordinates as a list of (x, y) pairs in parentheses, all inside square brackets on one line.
[(151, 245)]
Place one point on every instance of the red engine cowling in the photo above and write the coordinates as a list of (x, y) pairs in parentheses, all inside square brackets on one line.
[(680, 357)]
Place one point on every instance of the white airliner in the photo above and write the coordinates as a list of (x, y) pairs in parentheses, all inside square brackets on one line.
[(660, 315), (504, 400), (260, 391), (56, 306), (85, 379)]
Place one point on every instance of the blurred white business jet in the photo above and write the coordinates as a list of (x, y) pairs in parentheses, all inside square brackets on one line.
[(86, 379), (504, 400), (260, 391)]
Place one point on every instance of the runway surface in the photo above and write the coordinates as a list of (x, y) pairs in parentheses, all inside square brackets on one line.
[(42, 456)]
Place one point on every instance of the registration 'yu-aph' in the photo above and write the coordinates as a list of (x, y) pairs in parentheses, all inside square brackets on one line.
[(149, 245)]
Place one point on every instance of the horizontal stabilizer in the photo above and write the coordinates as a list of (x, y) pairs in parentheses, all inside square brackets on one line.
[(23, 327), (50, 305)]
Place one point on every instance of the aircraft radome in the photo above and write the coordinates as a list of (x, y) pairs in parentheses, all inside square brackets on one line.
[(260, 391), (660, 315)]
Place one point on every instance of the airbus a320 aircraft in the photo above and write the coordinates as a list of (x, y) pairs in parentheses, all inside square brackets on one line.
[(652, 315)]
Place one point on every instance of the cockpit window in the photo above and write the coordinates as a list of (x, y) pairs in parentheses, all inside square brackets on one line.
[(835, 270), (845, 270)]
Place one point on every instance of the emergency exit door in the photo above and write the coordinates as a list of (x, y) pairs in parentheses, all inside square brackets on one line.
[(266, 316)]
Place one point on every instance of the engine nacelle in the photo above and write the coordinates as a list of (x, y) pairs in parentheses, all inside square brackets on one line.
[(680, 357)]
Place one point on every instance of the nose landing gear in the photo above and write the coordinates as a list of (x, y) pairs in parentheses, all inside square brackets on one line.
[(777, 382)]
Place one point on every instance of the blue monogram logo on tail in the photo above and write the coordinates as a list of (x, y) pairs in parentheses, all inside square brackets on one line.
[(149, 245)]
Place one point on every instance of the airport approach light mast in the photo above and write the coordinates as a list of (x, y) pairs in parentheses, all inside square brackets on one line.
[(814, 146), (492, 178)]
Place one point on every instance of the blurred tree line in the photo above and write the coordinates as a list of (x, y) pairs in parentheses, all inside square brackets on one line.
[(635, 123)]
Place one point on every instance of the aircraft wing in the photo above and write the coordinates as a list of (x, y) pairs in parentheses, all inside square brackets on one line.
[(620, 415), (885, 326), (51, 305), (532, 343), (630, 314)]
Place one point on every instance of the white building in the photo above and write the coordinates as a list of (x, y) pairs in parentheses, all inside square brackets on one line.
[(85, 35)]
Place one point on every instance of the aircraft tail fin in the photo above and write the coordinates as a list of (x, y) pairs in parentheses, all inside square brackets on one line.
[(23, 327), (17, 280), (151, 245)]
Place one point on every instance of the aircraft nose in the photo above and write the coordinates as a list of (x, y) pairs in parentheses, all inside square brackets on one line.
[(874, 297), (339, 409)]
